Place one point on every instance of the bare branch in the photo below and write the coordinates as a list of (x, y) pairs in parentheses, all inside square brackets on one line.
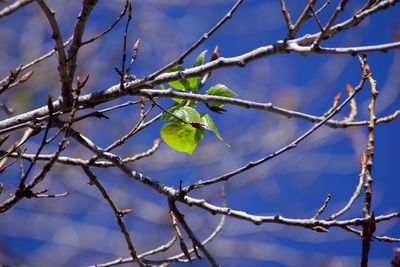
[(122, 71), (42, 194), (205, 36), (10, 79), (339, 9), (66, 87), (286, 15), (159, 249), (121, 15), (27, 190), (190, 233), (201, 203), (133, 87), (369, 224), (347, 24), (41, 58), (87, 7), (8, 10), (356, 193), (323, 207), (80, 162), (150, 89), (300, 21), (118, 214), (295, 47), (293, 144)]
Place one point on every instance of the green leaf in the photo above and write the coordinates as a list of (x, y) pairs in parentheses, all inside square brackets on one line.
[(188, 114), (177, 100), (181, 136), (200, 59), (183, 84), (185, 113), (209, 124), (220, 90)]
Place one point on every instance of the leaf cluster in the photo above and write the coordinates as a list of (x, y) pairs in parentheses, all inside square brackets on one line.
[(186, 125)]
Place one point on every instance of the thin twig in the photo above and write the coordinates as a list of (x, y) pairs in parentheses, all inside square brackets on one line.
[(335, 103), (176, 258), (352, 104), (196, 242), (21, 185), (41, 58), (178, 232), (288, 147), (123, 70), (87, 7), (386, 239), (323, 207), (66, 87), (286, 15), (301, 20), (8, 10), (357, 191), (369, 224), (347, 24), (27, 190), (159, 249), (306, 50), (42, 194), (269, 107), (133, 58), (205, 36), (24, 120), (118, 213), (10, 79), (322, 7), (315, 16), (121, 15), (213, 209), (339, 9), (138, 127), (135, 86), (81, 162), (104, 164)]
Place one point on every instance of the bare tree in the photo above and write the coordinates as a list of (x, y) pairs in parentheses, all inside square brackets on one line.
[(83, 148)]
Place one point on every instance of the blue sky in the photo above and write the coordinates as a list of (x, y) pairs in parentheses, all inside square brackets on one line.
[(80, 228)]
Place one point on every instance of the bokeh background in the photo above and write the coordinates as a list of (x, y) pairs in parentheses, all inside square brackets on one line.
[(80, 230)]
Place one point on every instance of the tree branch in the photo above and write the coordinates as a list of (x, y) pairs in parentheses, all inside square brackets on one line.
[(292, 145), (66, 88), (118, 214), (8, 10)]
